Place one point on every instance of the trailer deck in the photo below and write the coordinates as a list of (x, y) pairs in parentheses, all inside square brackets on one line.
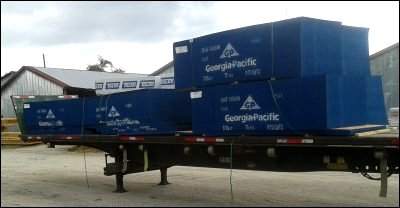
[(378, 139)]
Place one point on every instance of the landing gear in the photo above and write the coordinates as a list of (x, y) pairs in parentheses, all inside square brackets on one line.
[(122, 167), (120, 183), (119, 176), (164, 180), (381, 155)]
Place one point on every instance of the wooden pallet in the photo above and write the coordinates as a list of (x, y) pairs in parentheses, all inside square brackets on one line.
[(369, 133), (14, 138), (18, 142), (10, 134), (9, 122)]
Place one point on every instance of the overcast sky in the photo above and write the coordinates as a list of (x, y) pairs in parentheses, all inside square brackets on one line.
[(138, 36)]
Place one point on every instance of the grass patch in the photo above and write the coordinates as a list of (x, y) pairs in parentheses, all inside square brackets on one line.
[(80, 149), (10, 146), (16, 146)]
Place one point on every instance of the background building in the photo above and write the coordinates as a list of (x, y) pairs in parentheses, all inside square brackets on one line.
[(386, 64), (49, 81), (166, 70)]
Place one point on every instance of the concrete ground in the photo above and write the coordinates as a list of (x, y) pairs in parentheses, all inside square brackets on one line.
[(39, 176)]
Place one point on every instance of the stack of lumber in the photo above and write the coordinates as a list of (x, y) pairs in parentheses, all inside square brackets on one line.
[(13, 138)]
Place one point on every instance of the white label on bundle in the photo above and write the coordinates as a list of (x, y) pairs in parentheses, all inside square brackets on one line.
[(181, 49), (194, 95)]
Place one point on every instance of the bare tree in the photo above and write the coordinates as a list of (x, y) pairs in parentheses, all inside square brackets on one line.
[(102, 65), (118, 70)]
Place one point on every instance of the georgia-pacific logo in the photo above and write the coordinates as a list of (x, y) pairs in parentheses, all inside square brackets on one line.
[(250, 104), (229, 51)]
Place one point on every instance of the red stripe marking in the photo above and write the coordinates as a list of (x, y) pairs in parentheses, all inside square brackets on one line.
[(190, 139), (395, 142), (210, 139), (140, 138), (24, 96), (124, 138), (294, 141)]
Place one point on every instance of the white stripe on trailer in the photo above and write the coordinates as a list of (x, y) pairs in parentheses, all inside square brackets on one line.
[(219, 140), (70, 137), (281, 140), (205, 139), (24, 96), (132, 138), (295, 141), (34, 137), (210, 139), (200, 139), (67, 96)]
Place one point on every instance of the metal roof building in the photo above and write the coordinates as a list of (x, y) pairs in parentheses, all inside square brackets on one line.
[(30, 80), (6, 77), (386, 64), (166, 69)]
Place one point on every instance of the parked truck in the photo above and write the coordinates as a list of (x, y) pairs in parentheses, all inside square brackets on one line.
[(294, 95), (375, 151)]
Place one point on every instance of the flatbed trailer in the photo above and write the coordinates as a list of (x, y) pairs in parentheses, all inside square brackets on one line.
[(365, 153)]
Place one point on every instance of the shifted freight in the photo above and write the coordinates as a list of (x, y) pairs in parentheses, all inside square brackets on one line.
[(355, 50), (156, 111), (18, 102), (147, 111), (62, 117), (322, 83), (298, 106), (318, 70), (290, 48)]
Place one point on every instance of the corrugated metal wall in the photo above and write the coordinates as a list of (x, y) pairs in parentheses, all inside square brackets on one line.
[(27, 83), (387, 65), (169, 70)]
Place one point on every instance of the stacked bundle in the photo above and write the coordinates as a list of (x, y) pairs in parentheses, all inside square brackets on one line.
[(140, 112), (296, 76)]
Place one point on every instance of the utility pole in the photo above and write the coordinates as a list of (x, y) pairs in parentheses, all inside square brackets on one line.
[(44, 61)]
